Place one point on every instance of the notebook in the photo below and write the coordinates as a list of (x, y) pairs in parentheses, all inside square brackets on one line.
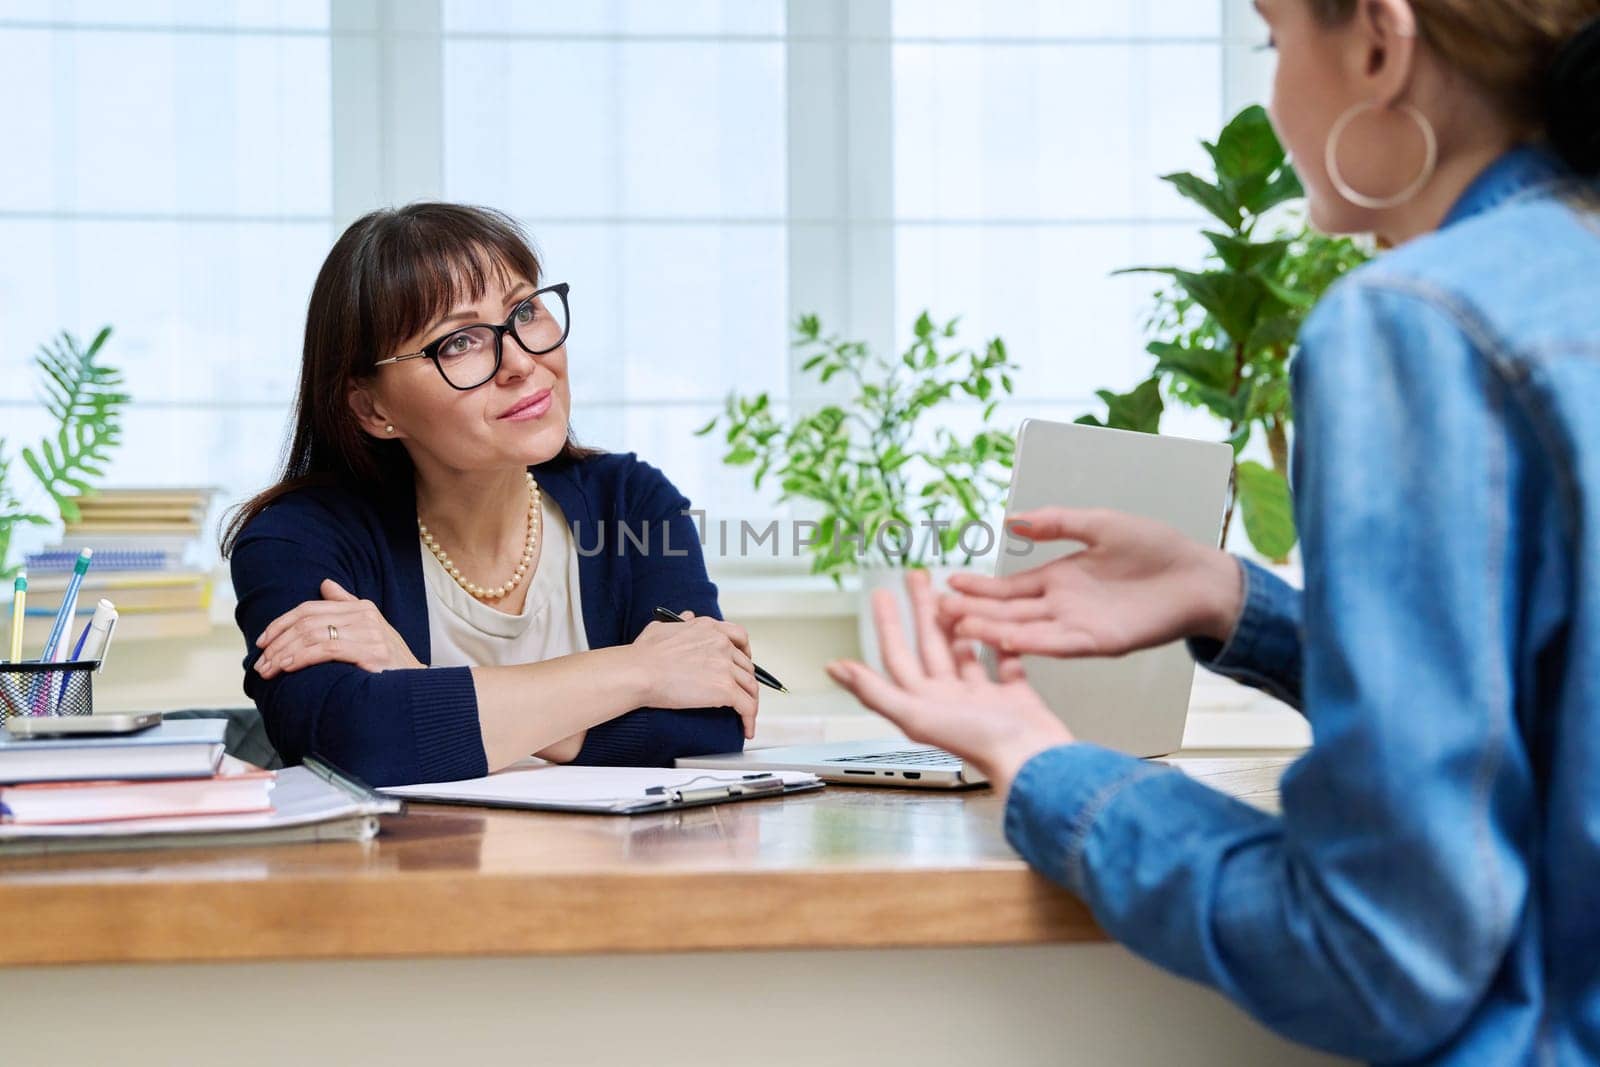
[(236, 788), (181, 748), (313, 802), (534, 785)]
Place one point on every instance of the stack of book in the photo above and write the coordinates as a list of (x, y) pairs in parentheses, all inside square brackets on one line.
[(170, 784), (151, 559), (169, 770)]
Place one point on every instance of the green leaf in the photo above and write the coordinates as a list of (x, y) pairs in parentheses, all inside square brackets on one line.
[(99, 341), (1247, 154), (804, 483), (1205, 366), (1292, 297), (35, 466), (1222, 403), (1139, 409), (708, 427), (1215, 200), (1268, 510), (1231, 298), (1247, 145), (1268, 398), (1241, 254), (81, 394), (1280, 190), (1274, 331)]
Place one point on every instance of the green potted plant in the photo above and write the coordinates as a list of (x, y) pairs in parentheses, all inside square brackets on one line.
[(1224, 334), (84, 398), (892, 487)]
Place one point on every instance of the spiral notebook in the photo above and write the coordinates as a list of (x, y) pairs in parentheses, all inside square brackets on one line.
[(534, 785)]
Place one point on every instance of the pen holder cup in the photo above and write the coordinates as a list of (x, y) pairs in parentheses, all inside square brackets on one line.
[(28, 689)]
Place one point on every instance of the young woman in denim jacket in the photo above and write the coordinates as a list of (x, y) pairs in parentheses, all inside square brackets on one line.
[(1431, 891)]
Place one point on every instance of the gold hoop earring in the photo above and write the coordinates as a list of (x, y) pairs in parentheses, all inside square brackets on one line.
[(1430, 163)]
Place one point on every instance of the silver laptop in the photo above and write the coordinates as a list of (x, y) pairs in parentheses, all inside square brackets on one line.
[(1136, 704)]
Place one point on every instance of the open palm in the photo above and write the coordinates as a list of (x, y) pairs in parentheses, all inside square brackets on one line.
[(1136, 583), (942, 695)]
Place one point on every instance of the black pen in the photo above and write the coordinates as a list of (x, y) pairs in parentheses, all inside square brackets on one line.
[(766, 679)]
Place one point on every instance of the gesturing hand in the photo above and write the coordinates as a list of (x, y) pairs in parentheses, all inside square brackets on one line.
[(945, 697), (699, 663), (339, 627), (1136, 584)]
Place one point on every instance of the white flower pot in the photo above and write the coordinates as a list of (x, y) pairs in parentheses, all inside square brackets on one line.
[(894, 580)]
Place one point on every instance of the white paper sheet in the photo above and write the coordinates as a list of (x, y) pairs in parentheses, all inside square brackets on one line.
[(536, 783)]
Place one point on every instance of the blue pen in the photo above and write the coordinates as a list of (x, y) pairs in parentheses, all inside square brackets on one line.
[(77, 649), (69, 605), (77, 654), (45, 699)]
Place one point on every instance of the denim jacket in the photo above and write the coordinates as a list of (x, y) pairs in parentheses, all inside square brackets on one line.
[(1431, 891)]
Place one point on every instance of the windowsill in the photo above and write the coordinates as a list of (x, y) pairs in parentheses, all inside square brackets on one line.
[(1223, 717), (782, 596)]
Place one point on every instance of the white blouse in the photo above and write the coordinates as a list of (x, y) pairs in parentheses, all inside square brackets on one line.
[(465, 632)]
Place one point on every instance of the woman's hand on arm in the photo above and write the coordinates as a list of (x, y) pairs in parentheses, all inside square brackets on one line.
[(700, 663), (942, 695), (1136, 584), (338, 628), (694, 664)]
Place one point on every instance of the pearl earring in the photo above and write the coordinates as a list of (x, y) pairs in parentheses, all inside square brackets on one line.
[(388, 429)]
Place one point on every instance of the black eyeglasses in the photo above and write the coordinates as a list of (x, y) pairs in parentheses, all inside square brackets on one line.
[(468, 356)]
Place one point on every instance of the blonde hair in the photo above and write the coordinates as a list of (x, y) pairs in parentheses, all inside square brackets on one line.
[(1521, 53)]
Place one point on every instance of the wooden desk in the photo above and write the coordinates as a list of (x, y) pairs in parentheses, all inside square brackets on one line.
[(844, 868), (861, 869)]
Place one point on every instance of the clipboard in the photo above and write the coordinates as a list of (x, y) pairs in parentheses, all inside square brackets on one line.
[(534, 785)]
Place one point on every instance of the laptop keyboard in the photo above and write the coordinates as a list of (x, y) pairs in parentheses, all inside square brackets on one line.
[(920, 757)]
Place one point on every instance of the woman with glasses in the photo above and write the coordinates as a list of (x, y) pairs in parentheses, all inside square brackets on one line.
[(1431, 890), (443, 581)]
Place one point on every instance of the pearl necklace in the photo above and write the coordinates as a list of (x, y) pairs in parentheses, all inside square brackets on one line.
[(535, 515)]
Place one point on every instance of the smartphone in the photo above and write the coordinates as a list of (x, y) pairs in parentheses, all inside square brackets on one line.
[(119, 722)]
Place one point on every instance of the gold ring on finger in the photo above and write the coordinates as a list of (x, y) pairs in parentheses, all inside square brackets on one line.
[(333, 632)]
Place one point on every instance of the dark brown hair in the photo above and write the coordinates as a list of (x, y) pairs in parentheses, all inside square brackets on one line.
[(388, 276), (1535, 58)]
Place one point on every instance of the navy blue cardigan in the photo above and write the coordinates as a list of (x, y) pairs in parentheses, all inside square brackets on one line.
[(636, 549)]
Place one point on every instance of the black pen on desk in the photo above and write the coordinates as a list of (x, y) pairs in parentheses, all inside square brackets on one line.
[(764, 677)]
